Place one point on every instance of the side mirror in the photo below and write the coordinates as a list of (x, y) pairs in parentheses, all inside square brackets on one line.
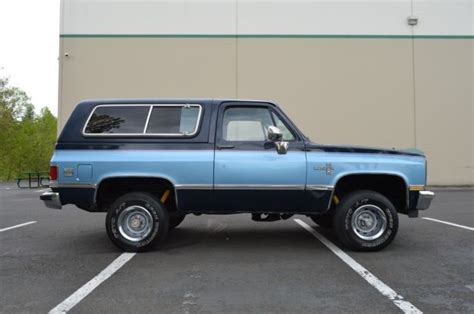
[(275, 135)]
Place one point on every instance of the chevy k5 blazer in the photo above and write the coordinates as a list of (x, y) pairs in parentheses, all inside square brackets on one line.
[(150, 162)]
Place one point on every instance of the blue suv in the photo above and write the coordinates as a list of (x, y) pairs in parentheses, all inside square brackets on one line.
[(150, 162)]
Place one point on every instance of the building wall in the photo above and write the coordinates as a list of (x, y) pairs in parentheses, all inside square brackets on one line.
[(347, 72)]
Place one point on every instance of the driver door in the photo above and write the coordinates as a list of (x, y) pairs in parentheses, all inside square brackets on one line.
[(249, 174)]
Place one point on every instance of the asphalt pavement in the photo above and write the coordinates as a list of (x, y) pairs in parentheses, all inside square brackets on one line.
[(231, 264)]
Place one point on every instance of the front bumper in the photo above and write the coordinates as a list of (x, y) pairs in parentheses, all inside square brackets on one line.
[(51, 200), (424, 199)]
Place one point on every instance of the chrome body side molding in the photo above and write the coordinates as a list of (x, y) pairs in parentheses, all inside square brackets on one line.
[(320, 187), (257, 187)]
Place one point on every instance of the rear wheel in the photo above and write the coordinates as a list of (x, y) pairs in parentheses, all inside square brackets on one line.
[(136, 222), (366, 221)]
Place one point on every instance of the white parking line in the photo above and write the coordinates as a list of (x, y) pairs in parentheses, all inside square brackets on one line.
[(42, 190), (449, 223), (18, 226), (397, 299), (83, 291)]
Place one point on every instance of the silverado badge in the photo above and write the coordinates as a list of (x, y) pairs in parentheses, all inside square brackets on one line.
[(327, 167)]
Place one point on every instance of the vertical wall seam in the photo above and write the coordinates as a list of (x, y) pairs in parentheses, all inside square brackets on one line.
[(60, 69), (414, 79), (237, 49)]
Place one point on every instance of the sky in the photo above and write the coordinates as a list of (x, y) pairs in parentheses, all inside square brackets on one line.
[(29, 47)]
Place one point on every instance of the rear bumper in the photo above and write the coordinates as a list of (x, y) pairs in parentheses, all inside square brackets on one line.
[(51, 200), (424, 199)]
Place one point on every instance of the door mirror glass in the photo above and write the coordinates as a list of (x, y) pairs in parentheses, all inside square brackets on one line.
[(274, 134), (281, 147)]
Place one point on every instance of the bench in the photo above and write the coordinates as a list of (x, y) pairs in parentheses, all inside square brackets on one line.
[(35, 179)]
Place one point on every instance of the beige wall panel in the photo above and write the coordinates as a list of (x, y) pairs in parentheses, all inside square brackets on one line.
[(444, 115), (341, 91), (351, 91), (144, 67)]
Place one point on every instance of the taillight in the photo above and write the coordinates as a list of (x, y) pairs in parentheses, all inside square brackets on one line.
[(53, 173)]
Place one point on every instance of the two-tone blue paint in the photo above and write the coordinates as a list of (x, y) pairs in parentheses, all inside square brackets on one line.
[(179, 167), (291, 181), (245, 177), (410, 168), (198, 167), (236, 168)]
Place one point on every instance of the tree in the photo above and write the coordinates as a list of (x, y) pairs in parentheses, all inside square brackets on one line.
[(26, 139)]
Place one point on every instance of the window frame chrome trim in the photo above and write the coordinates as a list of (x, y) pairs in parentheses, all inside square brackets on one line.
[(144, 134), (147, 119)]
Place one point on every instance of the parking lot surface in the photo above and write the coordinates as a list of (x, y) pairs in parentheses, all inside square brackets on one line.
[(230, 264)]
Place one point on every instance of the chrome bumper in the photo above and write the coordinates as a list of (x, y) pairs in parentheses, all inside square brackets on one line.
[(424, 199), (51, 200)]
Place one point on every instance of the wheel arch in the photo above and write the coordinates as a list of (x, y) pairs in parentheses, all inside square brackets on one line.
[(157, 180), (349, 182)]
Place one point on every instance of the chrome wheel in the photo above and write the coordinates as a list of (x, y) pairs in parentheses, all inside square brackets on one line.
[(369, 222), (135, 223)]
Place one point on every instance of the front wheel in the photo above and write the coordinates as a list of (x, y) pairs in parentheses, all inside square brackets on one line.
[(366, 221), (136, 222)]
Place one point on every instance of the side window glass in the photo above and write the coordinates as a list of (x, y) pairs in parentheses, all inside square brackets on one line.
[(173, 120), (246, 124), (115, 119), (147, 119), (287, 135)]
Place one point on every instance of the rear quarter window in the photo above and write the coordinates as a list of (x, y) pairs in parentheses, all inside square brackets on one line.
[(173, 120), (146, 120), (117, 120)]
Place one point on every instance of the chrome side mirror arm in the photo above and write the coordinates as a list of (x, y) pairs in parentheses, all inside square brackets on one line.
[(275, 135), (281, 147)]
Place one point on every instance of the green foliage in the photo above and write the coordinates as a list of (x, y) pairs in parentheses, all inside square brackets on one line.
[(26, 139)]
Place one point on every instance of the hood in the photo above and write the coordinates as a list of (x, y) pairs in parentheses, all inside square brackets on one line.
[(364, 150)]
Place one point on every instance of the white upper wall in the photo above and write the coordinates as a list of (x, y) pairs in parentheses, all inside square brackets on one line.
[(267, 17), (349, 17), (444, 17), (147, 17)]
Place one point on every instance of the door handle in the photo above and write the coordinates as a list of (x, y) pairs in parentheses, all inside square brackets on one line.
[(225, 147)]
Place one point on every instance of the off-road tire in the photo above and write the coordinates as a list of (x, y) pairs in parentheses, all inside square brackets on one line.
[(343, 222), (159, 224)]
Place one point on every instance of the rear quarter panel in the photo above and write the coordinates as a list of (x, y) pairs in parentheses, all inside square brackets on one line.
[(178, 166)]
